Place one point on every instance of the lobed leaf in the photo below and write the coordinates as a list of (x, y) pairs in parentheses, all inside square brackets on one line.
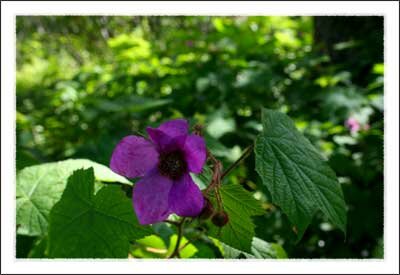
[(88, 225), (39, 187)]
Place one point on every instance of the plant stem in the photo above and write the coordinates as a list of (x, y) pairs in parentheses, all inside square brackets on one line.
[(216, 172), (245, 154), (175, 253), (172, 222), (189, 242)]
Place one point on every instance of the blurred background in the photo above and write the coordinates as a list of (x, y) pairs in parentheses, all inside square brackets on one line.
[(84, 82)]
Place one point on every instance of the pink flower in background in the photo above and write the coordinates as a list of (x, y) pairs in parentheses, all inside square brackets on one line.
[(353, 125), (164, 163)]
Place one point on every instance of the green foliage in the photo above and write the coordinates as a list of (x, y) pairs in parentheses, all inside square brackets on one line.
[(88, 225), (259, 250), (39, 187), (298, 179), (39, 249), (154, 247), (240, 206)]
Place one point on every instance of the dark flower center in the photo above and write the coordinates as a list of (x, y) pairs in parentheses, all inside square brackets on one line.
[(172, 164)]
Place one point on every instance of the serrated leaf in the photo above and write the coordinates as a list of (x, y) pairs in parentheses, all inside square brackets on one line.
[(240, 206), (260, 249), (298, 178), (88, 225), (39, 187)]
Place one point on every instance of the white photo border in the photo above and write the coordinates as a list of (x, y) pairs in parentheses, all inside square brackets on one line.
[(390, 10)]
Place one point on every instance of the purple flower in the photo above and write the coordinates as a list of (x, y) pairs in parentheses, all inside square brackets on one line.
[(353, 125), (164, 163)]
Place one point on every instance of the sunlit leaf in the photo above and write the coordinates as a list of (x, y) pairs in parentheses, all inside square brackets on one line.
[(39, 187)]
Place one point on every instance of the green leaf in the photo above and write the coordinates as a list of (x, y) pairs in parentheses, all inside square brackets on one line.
[(154, 247), (24, 158), (149, 247), (88, 225), (23, 245), (259, 250), (205, 250), (187, 252), (240, 206), (39, 249), (378, 68), (203, 180), (39, 187), (132, 104), (298, 178)]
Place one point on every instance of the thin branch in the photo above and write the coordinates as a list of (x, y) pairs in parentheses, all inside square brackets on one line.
[(245, 154), (217, 169), (183, 246), (175, 253), (172, 222), (198, 237)]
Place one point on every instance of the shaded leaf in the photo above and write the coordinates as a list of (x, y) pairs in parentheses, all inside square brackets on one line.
[(88, 225), (298, 178), (259, 250), (39, 249), (39, 187)]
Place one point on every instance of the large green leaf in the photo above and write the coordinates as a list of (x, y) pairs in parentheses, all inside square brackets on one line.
[(298, 178), (259, 250), (240, 206), (39, 187), (88, 225)]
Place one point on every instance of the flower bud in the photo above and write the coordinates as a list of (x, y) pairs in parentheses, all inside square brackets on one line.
[(220, 219), (198, 130), (208, 210)]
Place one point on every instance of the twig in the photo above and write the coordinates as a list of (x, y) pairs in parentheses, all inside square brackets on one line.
[(172, 222), (217, 169), (178, 241), (183, 246), (245, 154), (198, 237)]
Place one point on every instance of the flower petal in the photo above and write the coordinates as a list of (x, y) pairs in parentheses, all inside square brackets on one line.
[(165, 142), (133, 157), (185, 197), (171, 133), (195, 153), (176, 127), (151, 197)]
